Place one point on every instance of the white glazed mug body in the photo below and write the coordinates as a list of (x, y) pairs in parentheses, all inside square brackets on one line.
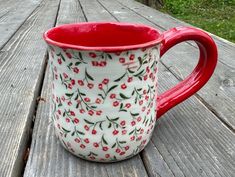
[(103, 104)]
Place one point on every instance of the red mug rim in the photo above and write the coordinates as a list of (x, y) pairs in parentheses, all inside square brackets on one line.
[(149, 35)]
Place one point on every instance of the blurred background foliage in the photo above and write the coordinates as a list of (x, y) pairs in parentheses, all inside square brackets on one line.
[(215, 16)]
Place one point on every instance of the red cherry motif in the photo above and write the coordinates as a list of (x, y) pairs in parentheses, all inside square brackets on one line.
[(90, 112), (141, 102), (133, 123), (67, 120), (145, 77), (118, 150), (68, 55), (90, 85), (98, 113), (147, 70), (76, 120), (58, 125), (82, 111), (94, 132), (115, 132), (123, 86), (105, 81), (80, 82), (128, 105), (122, 153), (82, 146), (148, 111), (132, 57), (130, 79), (143, 109), (59, 61), (100, 86), (124, 132), (112, 96), (63, 98), (118, 53), (127, 147), (132, 138), (70, 86), (77, 140), (123, 123), (139, 138), (107, 155), (69, 103), (56, 76), (73, 82), (76, 70), (86, 128), (144, 92), (72, 113), (86, 140), (105, 148), (122, 60), (87, 99), (92, 54), (138, 119), (95, 63), (59, 112), (146, 97), (95, 144), (103, 63), (98, 101), (65, 75), (115, 103)]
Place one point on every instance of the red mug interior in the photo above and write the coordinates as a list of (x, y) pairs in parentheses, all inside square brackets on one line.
[(105, 36)]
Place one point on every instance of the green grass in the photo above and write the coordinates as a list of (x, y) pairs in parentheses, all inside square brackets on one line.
[(215, 16)]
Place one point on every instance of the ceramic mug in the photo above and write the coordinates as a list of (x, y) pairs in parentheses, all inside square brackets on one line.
[(104, 90)]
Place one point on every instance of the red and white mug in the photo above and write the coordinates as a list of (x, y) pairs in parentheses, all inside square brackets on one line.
[(104, 90)]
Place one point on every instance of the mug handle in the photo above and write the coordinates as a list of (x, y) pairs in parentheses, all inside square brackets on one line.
[(201, 73)]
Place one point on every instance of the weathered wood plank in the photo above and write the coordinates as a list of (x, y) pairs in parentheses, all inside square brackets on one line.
[(12, 14), (21, 70), (216, 89), (47, 157)]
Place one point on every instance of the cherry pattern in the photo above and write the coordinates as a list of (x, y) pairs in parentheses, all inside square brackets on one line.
[(103, 104)]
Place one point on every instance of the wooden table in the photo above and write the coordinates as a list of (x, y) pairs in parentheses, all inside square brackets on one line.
[(196, 138)]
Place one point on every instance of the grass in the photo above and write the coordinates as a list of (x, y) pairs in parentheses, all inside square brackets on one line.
[(215, 16)]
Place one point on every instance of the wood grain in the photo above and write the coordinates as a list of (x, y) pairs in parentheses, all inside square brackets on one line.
[(21, 71), (12, 15), (47, 157), (220, 87)]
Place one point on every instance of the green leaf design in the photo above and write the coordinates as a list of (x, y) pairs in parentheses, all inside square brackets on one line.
[(135, 114), (122, 142), (140, 61), (109, 56), (80, 55), (110, 125), (69, 94), (66, 131), (89, 76), (122, 110), (133, 92), (113, 145), (73, 133), (121, 106), (62, 57), (83, 94), (140, 78), (91, 123), (100, 125), (130, 71), (63, 114), (81, 133), (131, 132), (123, 96), (139, 89), (111, 88), (105, 142), (77, 105), (101, 96), (77, 63), (138, 74), (76, 97), (120, 78), (61, 78), (114, 119)]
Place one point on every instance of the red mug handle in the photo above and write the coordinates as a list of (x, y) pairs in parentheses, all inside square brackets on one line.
[(201, 73)]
